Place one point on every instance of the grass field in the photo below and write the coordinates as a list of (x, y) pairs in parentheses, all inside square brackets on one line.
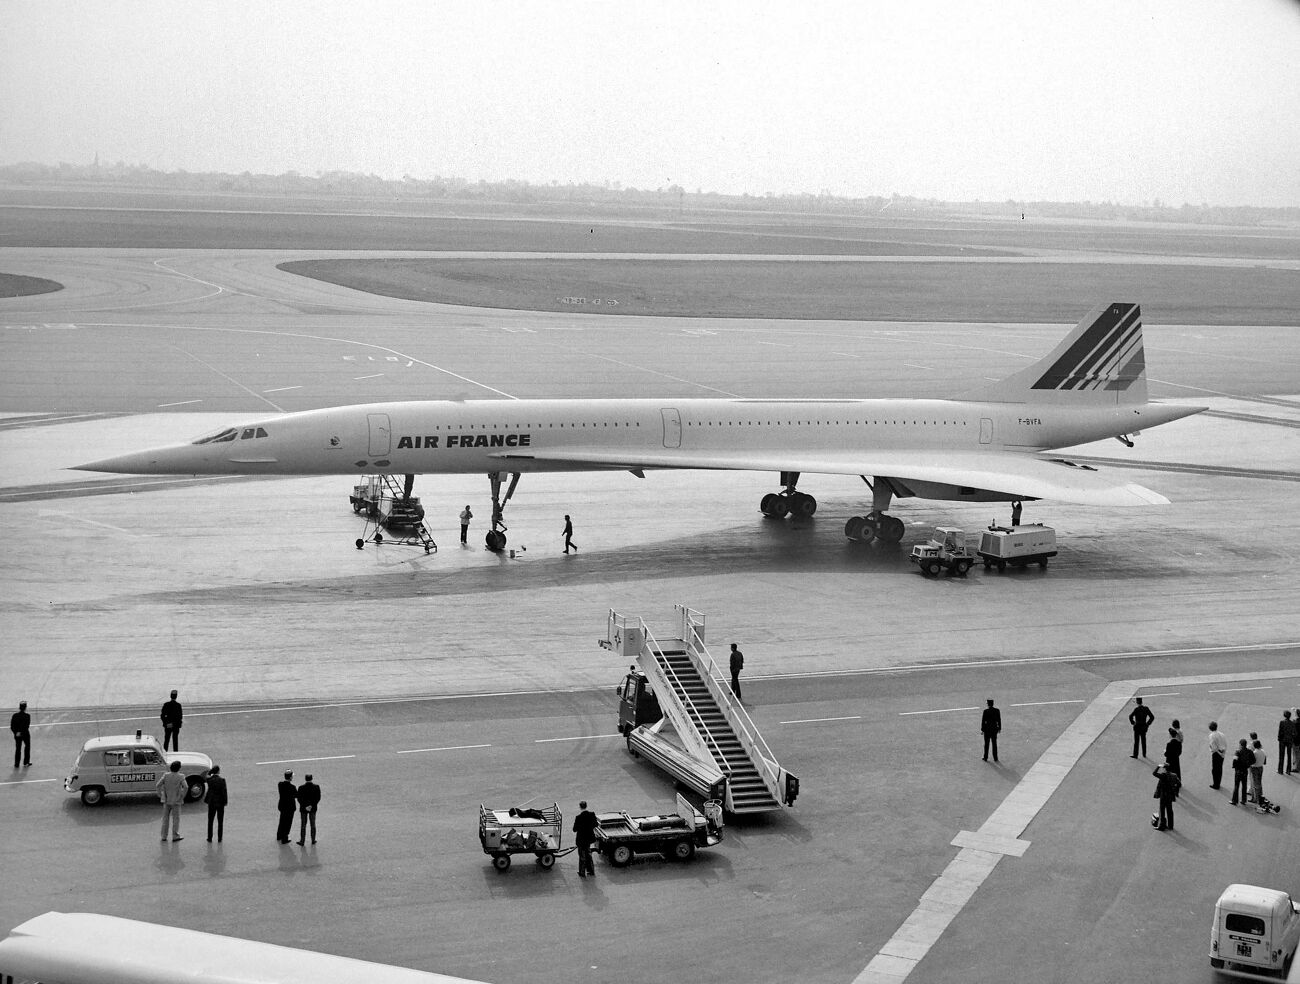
[(884, 291)]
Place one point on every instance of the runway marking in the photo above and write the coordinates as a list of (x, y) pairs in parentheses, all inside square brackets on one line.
[(88, 522), (322, 758), (913, 365), (1167, 693), (281, 389), (441, 748), (542, 741), (373, 375), (179, 403), (1043, 703), (228, 378), (847, 355), (980, 851), (851, 717), (1236, 690), (940, 710), (26, 782)]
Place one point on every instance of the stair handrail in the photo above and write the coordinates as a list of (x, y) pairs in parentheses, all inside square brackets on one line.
[(676, 698), (759, 751)]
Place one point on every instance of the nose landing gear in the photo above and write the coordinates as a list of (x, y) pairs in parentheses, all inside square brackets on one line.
[(496, 537)]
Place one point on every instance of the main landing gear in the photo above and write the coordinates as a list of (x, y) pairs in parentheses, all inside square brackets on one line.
[(791, 502), (875, 525), (496, 537)]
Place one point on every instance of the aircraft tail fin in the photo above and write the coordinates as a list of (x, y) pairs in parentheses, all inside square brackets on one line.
[(1100, 362)]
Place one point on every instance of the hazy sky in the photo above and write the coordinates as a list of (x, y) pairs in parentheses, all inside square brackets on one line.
[(1178, 100)]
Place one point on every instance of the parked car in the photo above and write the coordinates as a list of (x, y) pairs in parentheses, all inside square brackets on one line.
[(131, 764)]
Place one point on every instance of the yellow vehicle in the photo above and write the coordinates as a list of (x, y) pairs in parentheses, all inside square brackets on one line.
[(131, 764), (1255, 932)]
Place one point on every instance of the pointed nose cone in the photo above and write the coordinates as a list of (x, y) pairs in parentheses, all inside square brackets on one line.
[(174, 460)]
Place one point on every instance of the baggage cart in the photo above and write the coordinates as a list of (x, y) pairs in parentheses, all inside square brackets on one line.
[(516, 830)]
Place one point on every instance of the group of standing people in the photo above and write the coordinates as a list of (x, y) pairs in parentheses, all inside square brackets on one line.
[(1248, 760), (302, 800)]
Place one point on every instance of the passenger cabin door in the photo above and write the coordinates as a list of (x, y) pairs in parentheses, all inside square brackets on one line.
[(986, 430), (672, 427), (381, 434)]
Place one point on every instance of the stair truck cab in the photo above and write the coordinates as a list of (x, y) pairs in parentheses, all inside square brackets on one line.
[(1255, 933), (639, 721)]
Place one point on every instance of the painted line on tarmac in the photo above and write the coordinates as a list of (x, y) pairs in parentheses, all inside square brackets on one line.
[(27, 782), (542, 741), (980, 851), (1236, 690), (1166, 693), (937, 710), (441, 748), (179, 403), (1044, 703), (851, 717), (281, 389), (322, 758)]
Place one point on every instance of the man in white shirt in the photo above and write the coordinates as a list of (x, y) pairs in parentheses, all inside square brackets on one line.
[(1218, 749)]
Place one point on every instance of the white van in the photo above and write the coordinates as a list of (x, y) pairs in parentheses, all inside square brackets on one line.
[(1255, 932)]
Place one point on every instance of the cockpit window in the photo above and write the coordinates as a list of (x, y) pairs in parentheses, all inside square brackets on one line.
[(261, 432), (248, 432), (229, 434)]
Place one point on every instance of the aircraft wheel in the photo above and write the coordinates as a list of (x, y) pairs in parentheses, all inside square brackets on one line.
[(853, 528), (361, 544), (891, 529), (770, 505), (802, 504), (495, 541)]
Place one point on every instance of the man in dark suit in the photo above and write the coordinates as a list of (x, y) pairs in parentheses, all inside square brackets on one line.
[(216, 799), (990, 725), (737, 664), (308, 800), (1140, 717), (287, 805), (584, 829), (171, 722), (21, 725)]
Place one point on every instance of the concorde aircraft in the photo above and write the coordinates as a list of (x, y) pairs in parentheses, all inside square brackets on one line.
[(985, 448)]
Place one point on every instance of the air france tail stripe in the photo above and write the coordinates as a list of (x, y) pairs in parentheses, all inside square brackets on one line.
[(1107, 353), (1118, 353), (1101, 344)]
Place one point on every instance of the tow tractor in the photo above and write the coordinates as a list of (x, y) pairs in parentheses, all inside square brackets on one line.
[(620, 837), (948, 551)]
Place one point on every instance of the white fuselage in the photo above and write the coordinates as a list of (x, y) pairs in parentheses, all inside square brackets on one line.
[(424, 437)]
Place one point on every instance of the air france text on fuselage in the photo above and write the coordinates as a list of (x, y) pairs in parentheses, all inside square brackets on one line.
[(512, 440)]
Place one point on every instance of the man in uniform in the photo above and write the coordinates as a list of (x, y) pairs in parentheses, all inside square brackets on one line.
[(1286, 732), (990, 726), (216, 799), (20, 723), (1242, 760), (568, 535), (287, 805), (172, 788), (171, 722), (737, 664), (308, 800), (584, 829), (1140, 717)]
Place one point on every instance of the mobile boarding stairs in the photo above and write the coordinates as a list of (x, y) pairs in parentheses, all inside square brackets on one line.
[(675, 688)]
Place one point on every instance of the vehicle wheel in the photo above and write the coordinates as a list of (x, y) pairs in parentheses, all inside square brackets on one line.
[(931, 568), (195, 790), (501, 862), (853, 528), (987, 564), (621, 856), (356, 508), (546, 859), (1002, 566), (92, 796), (684, 850), (1216, 963), (962, 567), (1043, 563)]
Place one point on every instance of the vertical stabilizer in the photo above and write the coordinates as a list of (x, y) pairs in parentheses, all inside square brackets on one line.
[(1100, 362)]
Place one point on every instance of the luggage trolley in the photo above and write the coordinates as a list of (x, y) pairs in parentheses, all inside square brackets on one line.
[(515, 830)]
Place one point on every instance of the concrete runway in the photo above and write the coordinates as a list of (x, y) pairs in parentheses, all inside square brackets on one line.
[(236, 590)]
